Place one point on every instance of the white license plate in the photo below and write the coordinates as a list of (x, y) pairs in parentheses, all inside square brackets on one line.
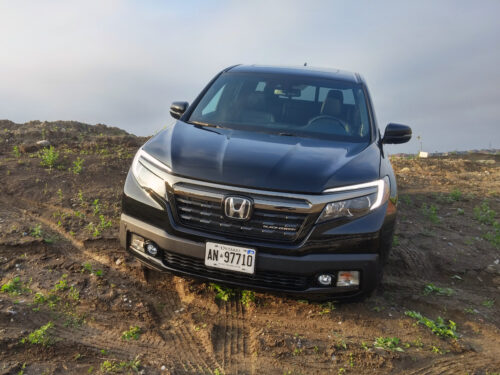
[(229, 257)]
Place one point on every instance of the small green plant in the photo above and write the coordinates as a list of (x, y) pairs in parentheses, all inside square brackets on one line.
[(494, 236), (79, 214), (431, 213), (49, 157), (431, 288), (456, 195), (223, 293), (327, 308), (16, 152), (61, 284), (96, 206), (133, 333), (36, 231), (77, 165), (41, 336), (104, 352), (52, 300), (104, 223), (438, 327), (21, 371), (470, 310), (388, 343), (88, 268), (247, 297), (341, 344), (110, 367), (74, 293), (217, 372), (199, 328), (406, 200), (80, 198), (484, 214), (395, 240), (436, 349), (460, 211), (15, 287), (296, 352), (488, 303), (60, 194), (39, 299), (417, 343)]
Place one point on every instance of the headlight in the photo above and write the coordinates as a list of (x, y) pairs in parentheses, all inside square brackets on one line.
[(371, 196), (143, 168)]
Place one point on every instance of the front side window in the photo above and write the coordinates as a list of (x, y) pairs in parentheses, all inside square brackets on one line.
[(286, 105)]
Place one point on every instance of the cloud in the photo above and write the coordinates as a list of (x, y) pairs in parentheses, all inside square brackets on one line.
[(432, 65)]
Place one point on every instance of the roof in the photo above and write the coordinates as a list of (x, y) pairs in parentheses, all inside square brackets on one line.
[(300, 70)]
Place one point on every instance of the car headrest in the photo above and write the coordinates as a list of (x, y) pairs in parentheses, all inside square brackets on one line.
[(332, 105)]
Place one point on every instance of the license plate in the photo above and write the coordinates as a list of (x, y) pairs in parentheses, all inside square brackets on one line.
[(229, 257)]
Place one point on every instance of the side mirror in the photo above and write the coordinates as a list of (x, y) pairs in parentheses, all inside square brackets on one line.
[(396, 133), (178, 108)]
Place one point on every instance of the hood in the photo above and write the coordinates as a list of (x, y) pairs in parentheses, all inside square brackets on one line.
[(263, 161)]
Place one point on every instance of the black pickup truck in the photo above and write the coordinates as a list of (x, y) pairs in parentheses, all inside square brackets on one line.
[(273, 179)]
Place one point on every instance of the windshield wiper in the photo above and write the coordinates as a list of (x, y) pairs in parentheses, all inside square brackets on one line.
[(288, 134), (201, 123)]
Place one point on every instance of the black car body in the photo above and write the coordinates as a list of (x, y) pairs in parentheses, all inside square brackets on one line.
[(273, 179)]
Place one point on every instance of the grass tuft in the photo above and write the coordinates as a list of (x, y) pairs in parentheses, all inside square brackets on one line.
[(431, 288), (41, 336), (388, 343), (223, 293), (438, 327), (133, 333)]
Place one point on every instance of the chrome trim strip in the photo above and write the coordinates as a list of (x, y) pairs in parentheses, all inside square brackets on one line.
[(264, 199), (156, 163)]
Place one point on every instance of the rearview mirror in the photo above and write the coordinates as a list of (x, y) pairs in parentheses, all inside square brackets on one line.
[(178, 108), (396, 133)]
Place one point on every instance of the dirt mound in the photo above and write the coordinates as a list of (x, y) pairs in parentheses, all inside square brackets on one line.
[(73, 301)]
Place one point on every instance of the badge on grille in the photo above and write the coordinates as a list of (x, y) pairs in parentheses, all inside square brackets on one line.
[(237, 208)]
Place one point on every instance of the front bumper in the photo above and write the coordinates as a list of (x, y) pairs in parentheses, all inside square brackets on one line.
[(290, 274)]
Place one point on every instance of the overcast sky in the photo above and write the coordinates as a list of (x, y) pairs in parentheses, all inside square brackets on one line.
[(434, 65)]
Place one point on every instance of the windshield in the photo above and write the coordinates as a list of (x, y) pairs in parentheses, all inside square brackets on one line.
[(288, 105)]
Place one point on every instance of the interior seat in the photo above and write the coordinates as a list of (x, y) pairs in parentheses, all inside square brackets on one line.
[(255, 109), (333, 103)]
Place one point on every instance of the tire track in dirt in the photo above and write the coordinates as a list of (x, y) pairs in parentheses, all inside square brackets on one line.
[(175, 349), (233, 339), (413, 259), (473, 364), (187, 351)]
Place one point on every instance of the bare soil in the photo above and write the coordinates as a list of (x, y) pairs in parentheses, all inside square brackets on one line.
[(55, 222)]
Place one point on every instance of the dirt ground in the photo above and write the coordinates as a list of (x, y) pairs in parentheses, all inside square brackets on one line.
[(74, 302)]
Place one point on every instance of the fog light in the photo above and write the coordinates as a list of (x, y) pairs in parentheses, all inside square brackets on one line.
[(348, 278), (325, 279), (151, 249), (137, 242)]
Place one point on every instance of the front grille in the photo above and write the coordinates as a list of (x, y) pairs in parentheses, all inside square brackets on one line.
[(264, 224), (263, 279)]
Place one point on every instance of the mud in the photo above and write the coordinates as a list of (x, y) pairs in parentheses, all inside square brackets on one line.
[(54, 222)]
